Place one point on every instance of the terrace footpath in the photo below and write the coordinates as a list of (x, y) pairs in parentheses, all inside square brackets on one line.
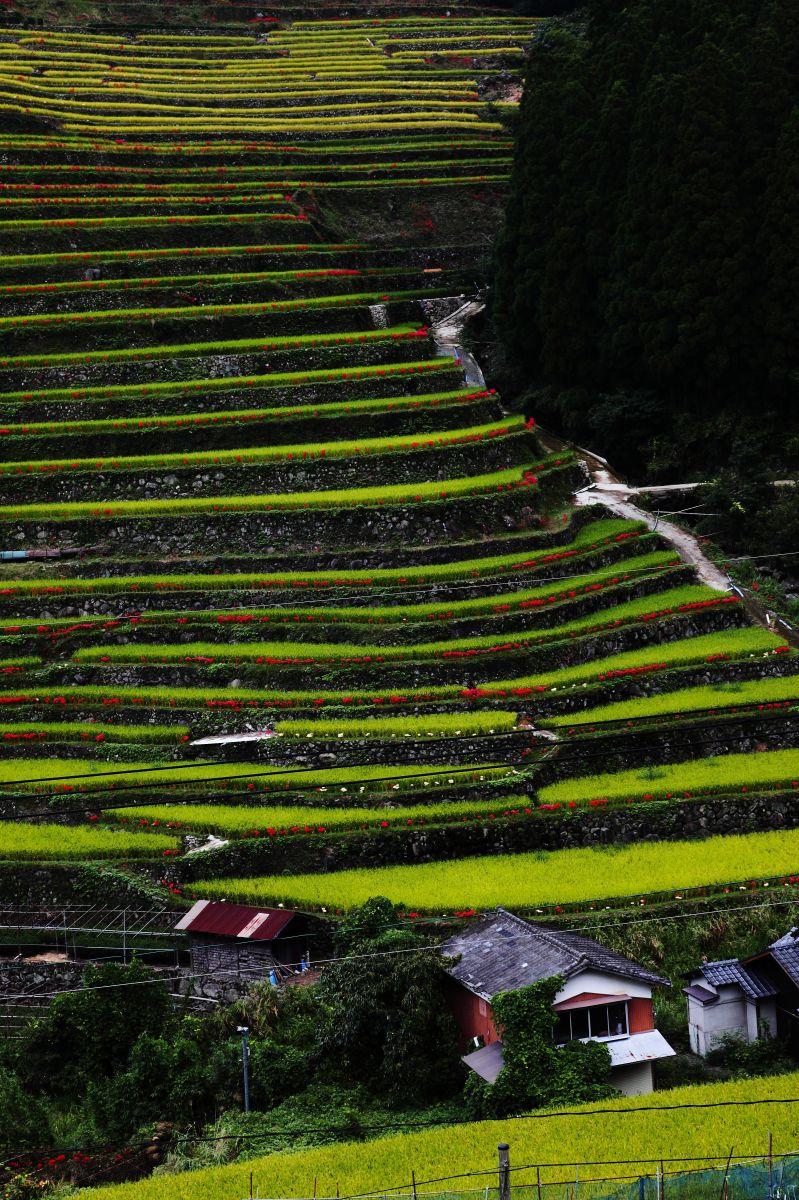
[(234, 270)]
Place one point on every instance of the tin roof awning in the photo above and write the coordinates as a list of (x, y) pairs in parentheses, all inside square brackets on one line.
[(487, 1062), (591, 1002), (639, 1047)]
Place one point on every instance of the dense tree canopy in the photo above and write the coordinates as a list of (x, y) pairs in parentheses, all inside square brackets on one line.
[(650, 247)]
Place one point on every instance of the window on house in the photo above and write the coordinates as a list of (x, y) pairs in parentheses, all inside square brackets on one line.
[(598, 1021)]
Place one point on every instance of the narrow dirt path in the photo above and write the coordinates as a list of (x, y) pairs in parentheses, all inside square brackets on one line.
[(607, 489)]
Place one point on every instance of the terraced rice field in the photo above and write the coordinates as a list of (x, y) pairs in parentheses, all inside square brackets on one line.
[(247, 478)]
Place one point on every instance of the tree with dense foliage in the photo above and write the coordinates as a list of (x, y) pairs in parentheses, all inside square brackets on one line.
[(646, 281), (537, 1073), (388, 1023)]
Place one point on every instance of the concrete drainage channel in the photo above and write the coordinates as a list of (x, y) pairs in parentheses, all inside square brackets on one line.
[(446, 333)]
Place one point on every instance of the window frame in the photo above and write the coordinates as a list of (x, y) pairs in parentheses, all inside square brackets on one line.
[(587, 1010)]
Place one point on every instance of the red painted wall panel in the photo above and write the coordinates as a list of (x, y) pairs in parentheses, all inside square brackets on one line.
[(639, 1013), (473, 1015)]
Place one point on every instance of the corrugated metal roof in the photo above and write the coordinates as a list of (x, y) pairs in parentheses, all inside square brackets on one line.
[(639, 1047), (624, 1052), (235, 920), (506, 952), (487, 1062)]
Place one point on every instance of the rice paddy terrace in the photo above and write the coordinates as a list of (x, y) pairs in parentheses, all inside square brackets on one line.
[(244, 481)]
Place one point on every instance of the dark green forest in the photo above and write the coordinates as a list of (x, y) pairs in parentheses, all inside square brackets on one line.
[(647, 278)]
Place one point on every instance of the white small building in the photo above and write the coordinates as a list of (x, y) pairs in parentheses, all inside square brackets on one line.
[(729, 997)]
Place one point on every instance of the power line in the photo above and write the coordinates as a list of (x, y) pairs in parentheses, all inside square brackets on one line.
[(462, 737), (258, 971), (457, 770), (370, 597), (453, 770)]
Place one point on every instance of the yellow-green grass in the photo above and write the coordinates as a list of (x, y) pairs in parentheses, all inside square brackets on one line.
[(594, 534), (69, 842), (14, 261), (92, 731), (303, 341), (242, 820), (497, 604), (636, 1127), (733, 642), (540, 878), (281, 652), (335, 498), (346, 448), (729, 644), (377, 404), (84, 775), (725, 773), (188, 387), (192, 312), (724, 697), (324, 125), (435, 725), (38, 225)]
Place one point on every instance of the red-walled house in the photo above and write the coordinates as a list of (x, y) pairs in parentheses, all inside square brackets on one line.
[(605, 997)]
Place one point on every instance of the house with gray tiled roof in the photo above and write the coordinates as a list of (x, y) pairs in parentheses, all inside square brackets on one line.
[(605, 996), (746, 998)]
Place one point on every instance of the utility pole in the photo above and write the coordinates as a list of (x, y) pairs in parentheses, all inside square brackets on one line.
[(504, 1171), (245, 1063)]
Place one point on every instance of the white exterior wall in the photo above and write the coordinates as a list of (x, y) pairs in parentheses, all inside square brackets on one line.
[(603, 985), (708, 1023), (634, 1080)]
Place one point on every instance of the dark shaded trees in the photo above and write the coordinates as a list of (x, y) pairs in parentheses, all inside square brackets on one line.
[(651, 237)]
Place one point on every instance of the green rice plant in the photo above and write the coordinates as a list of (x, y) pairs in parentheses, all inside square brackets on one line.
[(93, 731), (187, 421), (286, 652), (726, 643), (389, 494), (198, 349), (593, 535), (661, 1125), (20, 261), (177, 389), (540, 878), (233, 820), (434, 725), (740, 643), (715, 699), (726, 773), (69, 843), (36, 225), (267, 454), (57, 775), (494, 605), (209, 281), (114, 316)]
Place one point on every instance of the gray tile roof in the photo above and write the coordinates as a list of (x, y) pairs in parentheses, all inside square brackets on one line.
[(730, 970), (505, 952), (785, 952)]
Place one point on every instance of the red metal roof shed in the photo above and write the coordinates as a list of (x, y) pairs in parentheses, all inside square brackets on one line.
[(235, 920)]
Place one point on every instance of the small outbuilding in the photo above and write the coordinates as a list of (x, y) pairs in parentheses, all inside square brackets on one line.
[(605, 996), (746, 998), (242, 939)]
